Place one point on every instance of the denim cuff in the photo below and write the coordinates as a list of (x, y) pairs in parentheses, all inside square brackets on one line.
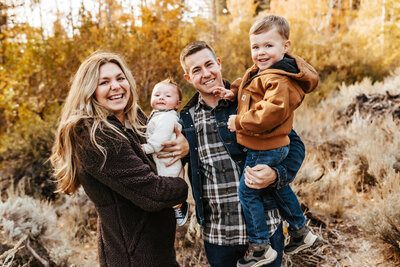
[(281, 177), (298, 233)]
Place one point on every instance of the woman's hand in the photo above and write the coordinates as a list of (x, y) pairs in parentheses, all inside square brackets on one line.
[(260, 176), (175, 149)]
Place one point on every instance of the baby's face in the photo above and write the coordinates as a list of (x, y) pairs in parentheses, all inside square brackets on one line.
[(165, 96)]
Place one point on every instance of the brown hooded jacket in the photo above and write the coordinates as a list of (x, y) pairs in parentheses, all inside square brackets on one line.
[(267, 100)]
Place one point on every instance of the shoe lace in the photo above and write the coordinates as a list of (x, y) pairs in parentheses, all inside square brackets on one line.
[(179, 213), (248, 252)]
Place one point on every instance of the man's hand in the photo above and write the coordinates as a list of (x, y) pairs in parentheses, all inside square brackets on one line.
[(175, 149), (224, 93), (231, 123), (260, 176)]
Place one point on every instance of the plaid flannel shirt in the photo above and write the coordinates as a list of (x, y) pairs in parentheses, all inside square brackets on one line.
[(224, 220)]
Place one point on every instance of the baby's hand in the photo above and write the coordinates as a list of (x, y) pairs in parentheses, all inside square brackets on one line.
[(231, 123), (224, 93)]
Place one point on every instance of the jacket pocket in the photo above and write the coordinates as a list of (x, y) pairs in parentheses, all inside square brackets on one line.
[(132, 220), (244, 102)]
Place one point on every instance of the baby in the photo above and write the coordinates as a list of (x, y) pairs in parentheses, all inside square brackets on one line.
[(165, 100)]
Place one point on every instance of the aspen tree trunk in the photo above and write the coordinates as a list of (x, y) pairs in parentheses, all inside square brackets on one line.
[(214, 19), (329, 14), (109, 13), (382, 35), (339, 8), (100, 16), (3, 27), (41, 18), (142, 6), (58, 9), (71, 17)]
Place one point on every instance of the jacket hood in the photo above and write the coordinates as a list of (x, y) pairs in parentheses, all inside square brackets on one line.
[(287, 64), (296, 68)]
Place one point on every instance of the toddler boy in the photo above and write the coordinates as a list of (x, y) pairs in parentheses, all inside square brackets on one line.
[(267, 95)]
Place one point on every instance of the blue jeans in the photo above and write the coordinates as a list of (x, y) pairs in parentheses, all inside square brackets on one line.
[(253, 209), (289, 208), (227, 256)]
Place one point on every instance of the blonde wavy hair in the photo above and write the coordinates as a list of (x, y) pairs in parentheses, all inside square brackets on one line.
[(81, 104)]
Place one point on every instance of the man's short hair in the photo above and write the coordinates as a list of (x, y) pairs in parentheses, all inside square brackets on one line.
[(170, 81), (265, 24), (193, 48)]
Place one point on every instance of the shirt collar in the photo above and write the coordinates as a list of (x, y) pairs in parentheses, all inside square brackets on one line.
[(201, 104), (158, 111), (128, 125)]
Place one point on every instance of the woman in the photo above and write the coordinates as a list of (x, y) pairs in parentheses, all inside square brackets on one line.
[(98, 146)]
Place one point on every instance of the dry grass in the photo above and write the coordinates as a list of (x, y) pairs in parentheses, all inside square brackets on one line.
[(347, 162), (61, 232), (350, 170)]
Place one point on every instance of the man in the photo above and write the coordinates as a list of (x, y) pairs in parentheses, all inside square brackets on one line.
[(216, 162)]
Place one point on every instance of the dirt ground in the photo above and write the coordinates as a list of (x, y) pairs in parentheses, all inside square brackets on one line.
[(342, 243)]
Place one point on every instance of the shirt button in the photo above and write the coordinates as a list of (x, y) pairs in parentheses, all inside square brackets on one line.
[(228, 213)]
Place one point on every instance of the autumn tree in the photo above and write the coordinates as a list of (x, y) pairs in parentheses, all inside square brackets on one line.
[(37, 69), (156, 44), (336, 35)]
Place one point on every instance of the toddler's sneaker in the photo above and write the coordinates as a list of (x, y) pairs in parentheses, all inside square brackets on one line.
[(257, 255), (300, 240), (181, 213)]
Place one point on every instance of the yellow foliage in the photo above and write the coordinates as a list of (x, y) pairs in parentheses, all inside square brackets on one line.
[(242, 9)]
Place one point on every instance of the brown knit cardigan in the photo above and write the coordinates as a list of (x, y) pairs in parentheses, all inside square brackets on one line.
[(136, 224)]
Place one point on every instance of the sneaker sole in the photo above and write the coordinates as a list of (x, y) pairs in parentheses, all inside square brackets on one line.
[(270, 257), (309, 241)]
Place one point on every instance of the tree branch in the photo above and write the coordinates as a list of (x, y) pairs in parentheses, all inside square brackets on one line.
[(35, 255)]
